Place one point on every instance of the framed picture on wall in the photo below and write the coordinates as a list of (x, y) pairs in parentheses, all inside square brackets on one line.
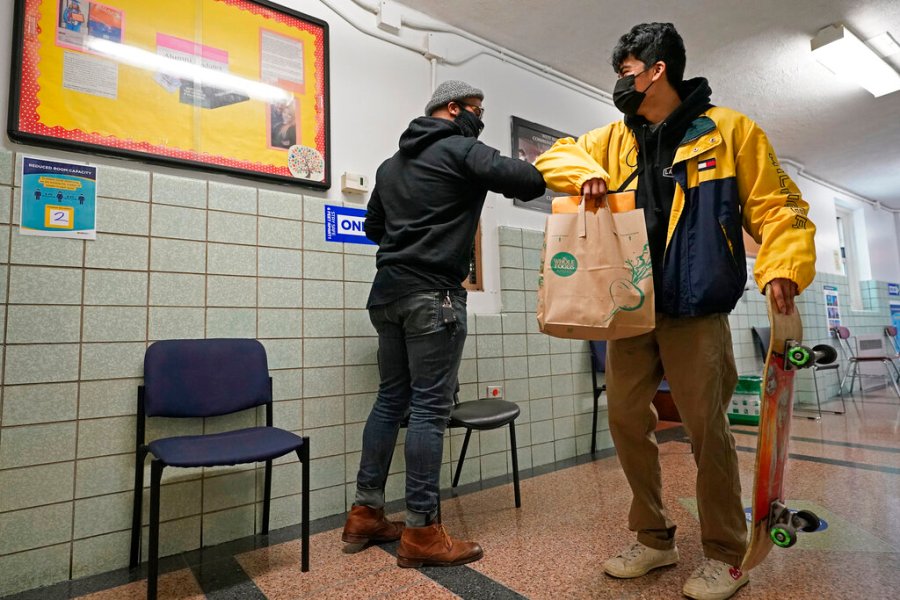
[(230, 86), (528, 141)]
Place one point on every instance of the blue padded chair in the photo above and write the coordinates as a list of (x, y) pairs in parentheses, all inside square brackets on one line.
[(598, 365), (208, 378)]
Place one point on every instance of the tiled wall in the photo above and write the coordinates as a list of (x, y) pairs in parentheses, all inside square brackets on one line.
[(185, 257)]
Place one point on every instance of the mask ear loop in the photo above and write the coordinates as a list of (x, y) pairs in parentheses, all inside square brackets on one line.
[(652, 81)]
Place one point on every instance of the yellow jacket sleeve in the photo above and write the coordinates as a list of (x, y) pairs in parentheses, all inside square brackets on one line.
[(569, 163), (775, 214)]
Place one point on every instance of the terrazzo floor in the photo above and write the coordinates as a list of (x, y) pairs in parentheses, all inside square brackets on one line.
[(845, 467)]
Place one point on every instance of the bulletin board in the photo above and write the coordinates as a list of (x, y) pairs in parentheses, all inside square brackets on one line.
[(234, 86)]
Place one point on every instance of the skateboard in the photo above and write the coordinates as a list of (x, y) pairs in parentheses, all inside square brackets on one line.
[(772, 522)]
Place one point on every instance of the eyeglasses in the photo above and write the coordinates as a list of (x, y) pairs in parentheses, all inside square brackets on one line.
[(477, 110)]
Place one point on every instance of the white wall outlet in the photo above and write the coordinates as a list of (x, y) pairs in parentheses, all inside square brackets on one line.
[(495, 391), (354, 183)]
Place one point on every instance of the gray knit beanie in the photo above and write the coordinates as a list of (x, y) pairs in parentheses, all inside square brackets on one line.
[(450, 91)]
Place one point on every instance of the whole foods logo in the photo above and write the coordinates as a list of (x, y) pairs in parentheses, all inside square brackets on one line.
[(564, 264)]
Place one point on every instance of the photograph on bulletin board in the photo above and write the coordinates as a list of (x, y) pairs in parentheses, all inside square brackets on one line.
[(229, 86)]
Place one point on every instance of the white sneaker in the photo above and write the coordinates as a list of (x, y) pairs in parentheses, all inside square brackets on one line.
[(714, 580), (638, 560)]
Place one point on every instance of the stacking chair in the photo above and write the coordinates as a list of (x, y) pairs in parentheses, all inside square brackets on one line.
[(855, 358), (208, 378), (598, 365), (481, 415), (761, 336)]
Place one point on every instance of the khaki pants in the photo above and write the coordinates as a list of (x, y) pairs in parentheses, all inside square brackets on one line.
[(696, 356)]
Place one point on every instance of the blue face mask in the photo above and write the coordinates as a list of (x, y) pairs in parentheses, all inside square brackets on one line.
[(470, 124)]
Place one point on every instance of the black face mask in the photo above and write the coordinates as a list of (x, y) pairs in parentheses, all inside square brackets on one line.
[(470, 124), (626, 98)]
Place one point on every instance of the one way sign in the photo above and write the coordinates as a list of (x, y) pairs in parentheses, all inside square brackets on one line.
[(346, 225)]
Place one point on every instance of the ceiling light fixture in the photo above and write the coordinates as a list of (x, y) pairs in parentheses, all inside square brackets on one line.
[(847, 56)]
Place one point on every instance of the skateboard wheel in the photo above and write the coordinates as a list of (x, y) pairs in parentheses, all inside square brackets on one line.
[(799, 356), (805, 520), (825, 354), (783, 536)]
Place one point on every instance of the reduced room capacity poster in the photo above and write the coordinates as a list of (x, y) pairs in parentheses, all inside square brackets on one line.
[(59, 199), (227, 84)]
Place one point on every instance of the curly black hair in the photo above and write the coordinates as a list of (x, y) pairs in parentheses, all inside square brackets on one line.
[(650, 43)]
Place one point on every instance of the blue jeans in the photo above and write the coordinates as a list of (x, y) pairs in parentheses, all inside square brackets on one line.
[(418, 360)]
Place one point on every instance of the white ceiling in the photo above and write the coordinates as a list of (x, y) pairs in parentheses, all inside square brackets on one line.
[(756, 56)]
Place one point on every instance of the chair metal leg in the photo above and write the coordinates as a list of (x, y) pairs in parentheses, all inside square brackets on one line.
[(515, 463), (462, 457), (893, 365), (891, 376), (594, 425), (853, 377), (837, 373), (134, 558), (818, 402), (303, 454), (267, 495), (156, 469)]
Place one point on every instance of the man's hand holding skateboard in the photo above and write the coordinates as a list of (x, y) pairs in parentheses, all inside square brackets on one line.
[(784, 291)]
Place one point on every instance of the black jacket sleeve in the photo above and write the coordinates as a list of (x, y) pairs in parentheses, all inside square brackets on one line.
[(374, 223), (511, 177)]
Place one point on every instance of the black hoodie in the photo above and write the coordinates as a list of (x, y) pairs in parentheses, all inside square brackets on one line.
[(426, 203), (656, 151)]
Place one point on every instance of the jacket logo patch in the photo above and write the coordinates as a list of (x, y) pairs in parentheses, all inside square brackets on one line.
[(705, 165), (667, 172)]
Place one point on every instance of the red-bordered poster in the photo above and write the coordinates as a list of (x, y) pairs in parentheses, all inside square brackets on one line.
[(235, 86)]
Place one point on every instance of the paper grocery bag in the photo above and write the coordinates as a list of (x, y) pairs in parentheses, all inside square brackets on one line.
[(595, 278)]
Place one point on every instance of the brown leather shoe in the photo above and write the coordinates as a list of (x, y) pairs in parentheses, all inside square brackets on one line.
[(432, 546), (366, 525)]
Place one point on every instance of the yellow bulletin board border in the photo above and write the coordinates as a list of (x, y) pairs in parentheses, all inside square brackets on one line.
[(230, 86)]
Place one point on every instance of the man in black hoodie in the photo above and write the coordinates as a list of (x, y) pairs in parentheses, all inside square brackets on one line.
[(423, 214), (702, 173)]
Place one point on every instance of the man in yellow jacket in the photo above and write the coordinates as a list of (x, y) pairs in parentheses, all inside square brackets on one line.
[(701, 173)]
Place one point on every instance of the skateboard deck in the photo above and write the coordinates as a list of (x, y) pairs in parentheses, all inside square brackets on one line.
[(771, 522)]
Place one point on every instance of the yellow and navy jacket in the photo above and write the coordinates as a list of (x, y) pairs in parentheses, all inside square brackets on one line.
[(728, 177)]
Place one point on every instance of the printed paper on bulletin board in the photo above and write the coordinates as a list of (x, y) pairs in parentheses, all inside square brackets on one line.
[(239, 86)]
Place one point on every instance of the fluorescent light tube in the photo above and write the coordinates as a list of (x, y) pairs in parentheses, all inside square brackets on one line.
[(847, 56)]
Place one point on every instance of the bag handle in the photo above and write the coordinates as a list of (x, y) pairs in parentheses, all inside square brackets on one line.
[(604, 213), (582, 218)]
